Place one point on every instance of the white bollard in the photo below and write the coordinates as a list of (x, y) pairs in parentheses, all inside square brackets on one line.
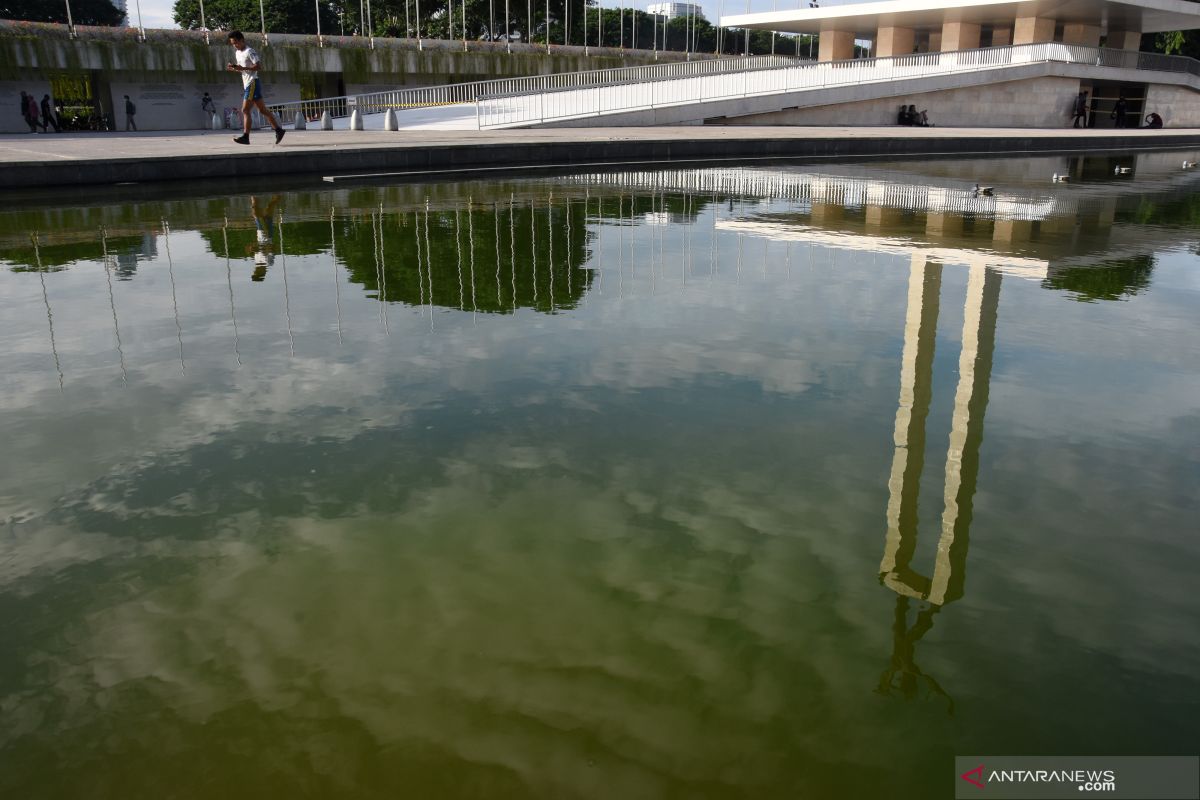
[(356, 120), (217, 123), (301, 122), (326, 121), (389, 121)]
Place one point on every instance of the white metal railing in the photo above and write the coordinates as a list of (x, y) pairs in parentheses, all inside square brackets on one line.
[(517, 109), (457, 93)]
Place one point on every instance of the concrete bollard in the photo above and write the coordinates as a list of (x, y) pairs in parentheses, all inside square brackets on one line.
[(389, 121), (217, 123), (326, 121), (301, 122), (356, 123)]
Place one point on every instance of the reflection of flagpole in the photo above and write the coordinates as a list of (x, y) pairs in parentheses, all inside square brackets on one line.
[(533, 248), (70, 21), (337, 291), (204, 23), (550, 246), (174, 301), (471, 250), (229, 280), (420, 264), (287, 302), (462, 297), (512, 246), (496, 219), (112, 303), (383, 276), (49, 316), (429, 263)]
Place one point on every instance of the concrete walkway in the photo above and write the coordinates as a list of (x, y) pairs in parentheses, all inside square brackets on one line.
[(108, 158)]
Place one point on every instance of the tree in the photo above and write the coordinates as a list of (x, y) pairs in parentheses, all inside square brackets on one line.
[(83, 12), (281, 16)]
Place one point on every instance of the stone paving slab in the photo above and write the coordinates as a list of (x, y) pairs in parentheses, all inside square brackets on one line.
[(108, 158)]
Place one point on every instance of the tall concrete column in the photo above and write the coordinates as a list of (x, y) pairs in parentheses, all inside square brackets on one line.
[(1002, 37), (1030, 30), (1079, 33), (836, 46), (935, 41), (1124, 40), (959, 36), (893, 41)]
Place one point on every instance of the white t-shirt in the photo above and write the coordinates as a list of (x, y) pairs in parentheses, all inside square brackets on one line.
[(246, 58)]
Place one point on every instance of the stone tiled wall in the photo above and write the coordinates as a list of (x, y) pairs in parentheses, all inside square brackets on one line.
[(1035, 103)]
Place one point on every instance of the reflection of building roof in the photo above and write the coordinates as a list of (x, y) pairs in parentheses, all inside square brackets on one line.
[(1016, 266), (1147, 16)]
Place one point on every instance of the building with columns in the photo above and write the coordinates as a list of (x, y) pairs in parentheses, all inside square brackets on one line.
[(897, 28)]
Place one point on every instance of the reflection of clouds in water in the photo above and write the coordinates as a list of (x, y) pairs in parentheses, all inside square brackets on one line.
[(516, 617)]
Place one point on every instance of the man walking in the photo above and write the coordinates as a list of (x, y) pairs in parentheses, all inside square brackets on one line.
[(248, 63), (1080, 110), (130, 110), (26, 101), (48, 115)]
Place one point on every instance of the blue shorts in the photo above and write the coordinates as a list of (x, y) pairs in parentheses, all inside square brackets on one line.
[(253, 90)]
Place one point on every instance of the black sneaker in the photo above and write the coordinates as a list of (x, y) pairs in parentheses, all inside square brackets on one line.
[(243, 139), (279, 135)]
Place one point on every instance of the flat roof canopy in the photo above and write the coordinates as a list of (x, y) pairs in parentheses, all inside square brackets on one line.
[(864, 19)]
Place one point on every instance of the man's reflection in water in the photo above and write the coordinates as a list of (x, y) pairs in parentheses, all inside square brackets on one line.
[(264, 246), (902, 675)]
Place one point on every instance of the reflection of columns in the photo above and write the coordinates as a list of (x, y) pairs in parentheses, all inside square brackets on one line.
[(1012, 230), (883, 216), (966, 434), (1080, 33), (835, 46), (959, 36), (1028, 30), (916, 389), (1001, 37), (943, 225), (823, 213), (893, 41), (935, 41)]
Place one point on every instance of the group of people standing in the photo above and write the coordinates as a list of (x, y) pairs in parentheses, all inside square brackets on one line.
[(36, 114)]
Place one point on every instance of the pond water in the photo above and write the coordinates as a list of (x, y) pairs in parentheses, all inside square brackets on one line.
[(766, 481)]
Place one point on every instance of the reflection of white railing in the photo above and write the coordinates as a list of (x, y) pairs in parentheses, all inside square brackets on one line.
[(844, 191), (576, 103), (455, 93)]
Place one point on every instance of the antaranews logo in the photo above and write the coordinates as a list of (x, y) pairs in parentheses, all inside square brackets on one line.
[(1084, 780), (974, 776), (1049, 777)]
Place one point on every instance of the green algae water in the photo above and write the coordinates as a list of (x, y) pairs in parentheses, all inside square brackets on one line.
[(774, 481)]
